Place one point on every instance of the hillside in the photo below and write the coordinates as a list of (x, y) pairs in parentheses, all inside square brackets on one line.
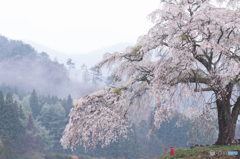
[(22, 66)]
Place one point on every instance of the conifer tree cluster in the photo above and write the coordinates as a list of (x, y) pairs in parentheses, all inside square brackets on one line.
[(9, 118), (10, 124)]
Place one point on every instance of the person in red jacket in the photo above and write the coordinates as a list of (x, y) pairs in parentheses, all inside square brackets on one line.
[(171, 151)]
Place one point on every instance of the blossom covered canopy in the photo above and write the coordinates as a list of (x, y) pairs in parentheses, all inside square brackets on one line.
[(195, 44)]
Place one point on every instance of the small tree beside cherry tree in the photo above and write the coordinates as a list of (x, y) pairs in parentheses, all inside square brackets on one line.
[(197, 47)]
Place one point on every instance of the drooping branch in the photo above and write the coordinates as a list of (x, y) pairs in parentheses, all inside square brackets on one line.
[(230, 32), (220, 36)]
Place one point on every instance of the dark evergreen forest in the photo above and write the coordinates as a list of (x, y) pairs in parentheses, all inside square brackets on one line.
[(33, 115)]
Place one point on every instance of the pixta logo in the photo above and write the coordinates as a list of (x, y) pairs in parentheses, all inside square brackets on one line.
[(219, 153)]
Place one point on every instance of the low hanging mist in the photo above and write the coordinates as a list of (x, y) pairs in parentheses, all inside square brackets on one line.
[(22, 66)]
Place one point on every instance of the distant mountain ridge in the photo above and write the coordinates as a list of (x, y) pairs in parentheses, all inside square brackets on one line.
[(90, 59)]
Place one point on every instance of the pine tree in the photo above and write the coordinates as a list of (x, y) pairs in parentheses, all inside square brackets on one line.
[(96, 75), (15, 106), (6, 151), (65, 106), (9, 123), (70, 64), (85, 74), (30, 125), (17, 115), (69, 101), (21, 113), (34, 104), (53, 118), (54, 99), (69, 104)]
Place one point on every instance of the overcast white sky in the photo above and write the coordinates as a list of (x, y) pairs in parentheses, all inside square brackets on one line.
[(76, 26)]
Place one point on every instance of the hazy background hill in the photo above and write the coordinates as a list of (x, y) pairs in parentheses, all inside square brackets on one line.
[(90, 58), (24, 67)]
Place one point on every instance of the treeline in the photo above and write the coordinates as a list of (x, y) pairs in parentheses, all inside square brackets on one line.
[(33, 123)]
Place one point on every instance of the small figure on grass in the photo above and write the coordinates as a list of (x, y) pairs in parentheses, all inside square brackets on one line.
[(171, 151), (191, 146)]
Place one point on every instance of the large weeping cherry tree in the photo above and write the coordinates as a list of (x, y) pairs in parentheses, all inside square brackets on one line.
[(196, 49)]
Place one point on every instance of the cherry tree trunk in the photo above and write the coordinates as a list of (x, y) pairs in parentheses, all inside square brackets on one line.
[(226, 123)]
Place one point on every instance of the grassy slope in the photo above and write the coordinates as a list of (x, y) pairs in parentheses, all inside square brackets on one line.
[(202, 153)]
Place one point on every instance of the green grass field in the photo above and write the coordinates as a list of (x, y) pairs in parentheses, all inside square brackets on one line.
[(202, 152)]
